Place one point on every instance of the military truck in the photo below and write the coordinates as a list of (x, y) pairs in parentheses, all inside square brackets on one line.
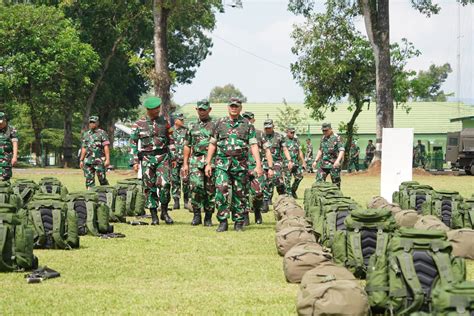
[(460, 150)]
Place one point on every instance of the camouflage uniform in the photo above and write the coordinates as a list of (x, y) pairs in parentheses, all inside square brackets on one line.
[(232, 138), (293, 146), (276, 142), (203, 189), (257, 183), (353, 157), (94, 141), (155, 153), (179, 135), (369, 154), (308, 156), (330, 148), (420, 155), (8, 136)]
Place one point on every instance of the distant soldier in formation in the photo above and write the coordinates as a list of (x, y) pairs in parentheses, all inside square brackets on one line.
[(309, 155), (329, 157), (202, 187), (256, 183), (95, 156), (297, 160), (233, 137), (9, 147), (278, 150), (153, 147), (420, 154), (354, 153), (369, 153), (179, 135)]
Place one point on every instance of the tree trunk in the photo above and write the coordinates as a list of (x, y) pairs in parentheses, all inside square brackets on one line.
[(162, 76), (377, 23), (350, 131), (110, 129), (68, 159)]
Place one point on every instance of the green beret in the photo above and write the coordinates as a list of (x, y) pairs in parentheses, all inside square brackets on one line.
[(203, 104), (93, 119), (152, 103)]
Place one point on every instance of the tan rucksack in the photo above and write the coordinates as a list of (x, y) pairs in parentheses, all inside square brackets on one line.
[(462, 242), (380, 202), (406, 218), (430, 222), (302, 258), (289, 210), (283, 199), (331, 290), (288, 237), (291, 221)]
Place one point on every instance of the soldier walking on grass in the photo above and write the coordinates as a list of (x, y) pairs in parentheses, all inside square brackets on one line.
[(298, 162), (9, 147), (179, 135)]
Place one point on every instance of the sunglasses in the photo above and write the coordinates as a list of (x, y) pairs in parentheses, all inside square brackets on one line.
[(325, 130)]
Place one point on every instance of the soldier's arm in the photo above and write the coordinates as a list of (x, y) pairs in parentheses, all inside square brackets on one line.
[(134, 144), (15, 153), (106, 144), (186, 147), (301, 156)]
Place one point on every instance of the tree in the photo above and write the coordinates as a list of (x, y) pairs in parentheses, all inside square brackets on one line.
[(289, 116), (225, 93), (427, 84), (335, 62)]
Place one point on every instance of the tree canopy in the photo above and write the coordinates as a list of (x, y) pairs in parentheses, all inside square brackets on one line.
[(225, 93)]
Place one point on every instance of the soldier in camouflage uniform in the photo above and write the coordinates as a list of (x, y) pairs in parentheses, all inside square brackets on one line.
[(257, 184), (369, 153), (299, 164), (420, 155), (179, 135), (330, 156), (8, 147), (278, 150), (202, 187), (95, 157), (308, 156), (353, 157), (153, 147), (233, 137)]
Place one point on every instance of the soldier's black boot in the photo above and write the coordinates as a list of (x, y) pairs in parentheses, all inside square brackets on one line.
[(197, 217), (176, 204), (293, 193), (208, 219), (246, 219), (164, 214), (154, 216), (239, 226), (223, 226), (258, 217), (265, 206)]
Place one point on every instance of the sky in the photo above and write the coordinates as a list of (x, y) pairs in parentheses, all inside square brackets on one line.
[(252, 49)]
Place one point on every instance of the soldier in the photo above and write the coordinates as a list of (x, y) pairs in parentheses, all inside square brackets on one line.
[(329, 157), (9, 147), (257, 183), (202, 187), (179, 135), (354, 157), (369, 153), (153, 147), (278, 149), (233, 137), (308, 156), (94, 149), (420, 154), (298, 162)]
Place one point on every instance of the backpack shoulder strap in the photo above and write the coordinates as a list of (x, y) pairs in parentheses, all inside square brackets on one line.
[(4, 230), (91, 218), (110, 199), (356, 242), (443, 263), (57, 236), (405, 260)]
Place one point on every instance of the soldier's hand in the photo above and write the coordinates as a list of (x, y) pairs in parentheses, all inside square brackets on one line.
[(185, 170), (208, 171), (271, 173), (107, 163), (290, 165), (81, 165), (174, 164), (305, 167), (259, 171), (337, 164), (14, 160), (135, 167)]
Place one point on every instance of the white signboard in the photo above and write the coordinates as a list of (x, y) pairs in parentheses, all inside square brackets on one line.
[(397, 159)]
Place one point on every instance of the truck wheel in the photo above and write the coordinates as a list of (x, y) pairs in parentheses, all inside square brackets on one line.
[(469, 170)]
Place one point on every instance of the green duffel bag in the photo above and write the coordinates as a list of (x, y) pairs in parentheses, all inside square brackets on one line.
[(462, 242), (25, 189), (303, 257), (107, 195), (288, 210), (430, 222), (380, 202), (283, 200), (92, 217), (132, 191), (288, 237), (402, 193), (407, 218), (52, 185), (292, 221), (8, 196), (16, 241), (448, 206), (454, 299)]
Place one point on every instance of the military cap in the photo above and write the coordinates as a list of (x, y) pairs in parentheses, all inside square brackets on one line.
[(326, 126), (93, 119), (152, 103), (248, 115), (291, 129), (3, 117), (203, 104), (235, 101), (268, 123), (179, 116)]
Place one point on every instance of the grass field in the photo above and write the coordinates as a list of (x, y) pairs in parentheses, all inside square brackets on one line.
[(175, 269)]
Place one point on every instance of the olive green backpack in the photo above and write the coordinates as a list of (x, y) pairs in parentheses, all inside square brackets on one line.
[(469, 212), (55, 227), (25, 189), (334, 228), (417, 196), (401, 280), (52, 185), (92, 217), (331, 205), (132, 191), (107, 195), (454, 299), (16, 241), (8, 196), (402, 193), (448, 206), (312, 197)]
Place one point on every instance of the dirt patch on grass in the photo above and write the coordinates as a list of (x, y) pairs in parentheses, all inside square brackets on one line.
[(375, 169)]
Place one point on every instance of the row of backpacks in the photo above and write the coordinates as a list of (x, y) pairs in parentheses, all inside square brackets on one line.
[(407, 270)]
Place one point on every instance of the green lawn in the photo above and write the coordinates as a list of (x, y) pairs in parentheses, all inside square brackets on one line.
[(175, 269)]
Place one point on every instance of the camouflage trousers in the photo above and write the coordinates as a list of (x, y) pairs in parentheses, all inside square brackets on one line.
[(276, 181), (322, 174), (420, 161), (6, 172), (297, 173), (237, 182), (353, 164), (368, 160), (90, 170), (156, 172), (176, 183), (203, 189), (256, 186)]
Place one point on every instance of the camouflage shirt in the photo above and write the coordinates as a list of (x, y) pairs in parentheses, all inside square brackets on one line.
[(276, 143), (330, 148), (354, 152), (197, 138), (94, 141), (153, 137), (420, 150), (309, 152), (370, 150), (262, 146), (8, 136), (179, 135), (293, 145)]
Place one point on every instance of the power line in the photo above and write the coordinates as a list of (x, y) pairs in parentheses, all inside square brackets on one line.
[(251, 53)]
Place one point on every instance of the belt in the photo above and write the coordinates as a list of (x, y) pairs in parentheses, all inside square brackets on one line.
[(155, 152)]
